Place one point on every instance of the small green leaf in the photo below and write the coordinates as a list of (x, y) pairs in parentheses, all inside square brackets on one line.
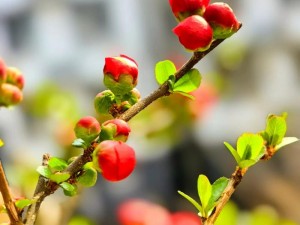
[(204, 191), (163, 70), (189, 82), (69, 189), (1, 143), (233, 152), (89, 176), (44, 171), (276, 129), (59, 177), (247, 163), (191, 200), (217, 189), (250, 146), (78, 143), (57, 164), (22, 203), (286, 141), (186, 95)]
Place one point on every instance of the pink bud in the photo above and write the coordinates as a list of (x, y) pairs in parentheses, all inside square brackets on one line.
[(221, 18), (87, 128), (141, 212), (115, 129), (194, 33), (185, 218), (114, 159), (120, 74), (10, 95), (2, 71), (15, 77), (185, 8)]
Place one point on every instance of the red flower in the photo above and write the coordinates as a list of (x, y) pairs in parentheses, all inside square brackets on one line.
[(15, 77), (185, 8), (194, 33), (2, 72), (141, 212), (115, 129), (10, 95), (87, 128), (185, 218), (120, 74), (221, 18), (114, 159)]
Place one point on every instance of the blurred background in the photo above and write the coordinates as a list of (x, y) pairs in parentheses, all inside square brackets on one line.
[(60, 47)]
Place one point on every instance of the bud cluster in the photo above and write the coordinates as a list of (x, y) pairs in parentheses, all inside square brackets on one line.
[(200, 22), (11, 85)]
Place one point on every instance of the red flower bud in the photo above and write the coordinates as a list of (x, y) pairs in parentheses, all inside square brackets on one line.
[(87, 128), (221, 18), (141, 212), (115, 129), (120, 74), (114, 159), (185, 218), (185, 8), (194, 33), (2, 72), (10, 95), (15, 77), (103, 102)]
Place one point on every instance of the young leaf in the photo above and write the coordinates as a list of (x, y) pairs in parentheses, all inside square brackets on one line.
[(69, 189), (89, 177), (186, 95), (217, 189), (163, 70), (78, 143), (59, 177), (189, 82), (204, 191), (191, 200), (233, 152), (276, 129), (44, 171), (286, 141), (247, 163), (57, 164), (1, 143), (250, 146), (22, 203)]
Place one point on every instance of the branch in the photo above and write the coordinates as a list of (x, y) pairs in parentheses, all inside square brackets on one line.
[(47, 187), (234, 181), (10, 206)]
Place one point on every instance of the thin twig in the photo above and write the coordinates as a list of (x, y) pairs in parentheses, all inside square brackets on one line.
[(11, 208), (234, 181)]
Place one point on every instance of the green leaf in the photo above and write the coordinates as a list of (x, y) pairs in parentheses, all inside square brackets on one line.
[(22, 203), (185, 94), (204, 191), (247, 163), (89, 176), (233, 152), (191, 200), (250, 146), (163, 70), (44, 171), (1, 143), (276, 129), (217, 189), (78, 143), (57, 164), (69, 189), (189, 82), (59, 177), (286, 141)]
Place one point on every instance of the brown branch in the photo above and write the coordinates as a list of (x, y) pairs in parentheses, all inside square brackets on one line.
[(234, 181), (10, 206)]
